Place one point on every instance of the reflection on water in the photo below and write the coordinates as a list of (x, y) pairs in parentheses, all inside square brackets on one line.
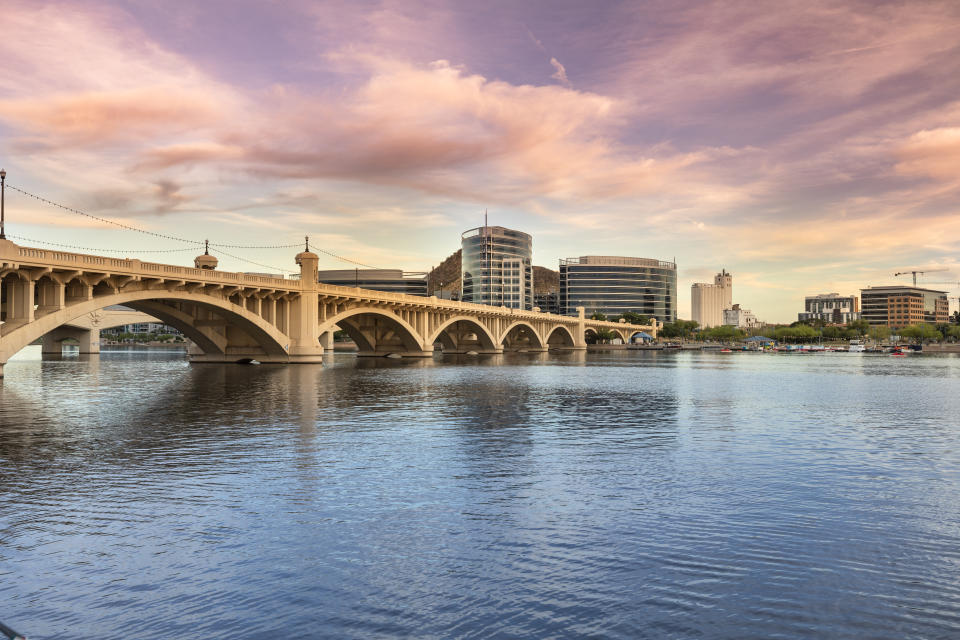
[(523, 495)]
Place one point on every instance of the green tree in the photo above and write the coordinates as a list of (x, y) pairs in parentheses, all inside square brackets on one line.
[(635, 318), (832, 333), (602, 317), (600, 336), (920, 333), (879, 333), (861, 327), (796, 332), (723, 333)]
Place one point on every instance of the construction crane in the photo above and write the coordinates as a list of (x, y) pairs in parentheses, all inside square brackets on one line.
[(903, 273)]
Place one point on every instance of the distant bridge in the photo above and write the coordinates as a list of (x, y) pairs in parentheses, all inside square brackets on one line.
[(236, 317)]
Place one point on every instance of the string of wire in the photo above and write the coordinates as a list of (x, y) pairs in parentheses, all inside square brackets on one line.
[(78, 247), (165, 236), (73, 246)]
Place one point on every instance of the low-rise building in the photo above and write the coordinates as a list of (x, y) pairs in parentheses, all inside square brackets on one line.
[(830, 308), (899, 306), (391, 280), (741, 318)]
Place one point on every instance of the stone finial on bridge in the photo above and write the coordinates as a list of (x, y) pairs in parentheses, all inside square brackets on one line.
[(309, 264), (206, 261)]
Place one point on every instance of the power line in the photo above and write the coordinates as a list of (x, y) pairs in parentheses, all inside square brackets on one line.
[(164, 236), (73, 246), (99, 219), (265, 266)]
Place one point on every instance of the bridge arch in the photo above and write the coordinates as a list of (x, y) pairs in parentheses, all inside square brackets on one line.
[(454, 334), (162, 305), (521, 335), (377, 331), (560, 337)]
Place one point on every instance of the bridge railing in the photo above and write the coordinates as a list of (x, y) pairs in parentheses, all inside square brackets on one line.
[(133, 266), (457, 305)]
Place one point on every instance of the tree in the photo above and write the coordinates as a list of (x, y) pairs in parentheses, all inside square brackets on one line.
[(679, 329), (861, 327), (602, 317), (635, 318), (832, 333), (600, 336), (723, 333), (879, 333), (921, 333), (799, 332)]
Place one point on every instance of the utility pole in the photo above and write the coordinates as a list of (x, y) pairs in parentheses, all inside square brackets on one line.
[(3, 192)]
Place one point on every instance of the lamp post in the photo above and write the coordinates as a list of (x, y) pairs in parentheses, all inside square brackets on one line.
[(3, 192)]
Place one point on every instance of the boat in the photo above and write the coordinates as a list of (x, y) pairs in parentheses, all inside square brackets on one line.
[(857, 346), (725, 351)]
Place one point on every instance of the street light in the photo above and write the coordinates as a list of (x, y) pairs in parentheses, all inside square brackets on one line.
[(3, 191)]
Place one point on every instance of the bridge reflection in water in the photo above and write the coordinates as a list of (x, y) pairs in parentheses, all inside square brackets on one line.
[(237, 317)]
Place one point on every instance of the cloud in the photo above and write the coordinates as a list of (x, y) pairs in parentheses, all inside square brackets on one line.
[(109, 117), (560, 75), (932, 153)]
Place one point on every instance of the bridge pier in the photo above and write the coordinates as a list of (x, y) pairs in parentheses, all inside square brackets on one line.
[(87, 339)]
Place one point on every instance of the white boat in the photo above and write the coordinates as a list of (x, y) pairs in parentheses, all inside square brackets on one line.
[(857, 346)]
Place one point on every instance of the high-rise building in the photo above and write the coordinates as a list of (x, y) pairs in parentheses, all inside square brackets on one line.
[(708, 301), (830, 307), (497, 267), (392, 280), (547, 302), (613, 285), (898, 306)]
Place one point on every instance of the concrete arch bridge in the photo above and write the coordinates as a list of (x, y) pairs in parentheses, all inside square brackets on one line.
[(85, 330), (237, 317)]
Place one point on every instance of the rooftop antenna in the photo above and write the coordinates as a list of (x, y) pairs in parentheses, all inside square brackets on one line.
[(485, 217), (306, 241), (206, 247)]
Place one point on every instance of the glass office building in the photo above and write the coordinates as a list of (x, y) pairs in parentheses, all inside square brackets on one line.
[(392, 280), (497, 267), (900, 306), (612, 285)]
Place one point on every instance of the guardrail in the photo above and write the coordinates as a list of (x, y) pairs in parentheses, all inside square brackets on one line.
[(133, 266)]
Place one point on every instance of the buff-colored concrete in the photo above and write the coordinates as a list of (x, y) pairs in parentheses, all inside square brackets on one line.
[(235, 317)]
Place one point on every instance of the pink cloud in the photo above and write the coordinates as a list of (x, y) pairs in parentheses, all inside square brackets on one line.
[(933, 153)]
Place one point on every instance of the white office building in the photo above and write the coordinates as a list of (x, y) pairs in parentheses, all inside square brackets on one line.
[(708, 301)]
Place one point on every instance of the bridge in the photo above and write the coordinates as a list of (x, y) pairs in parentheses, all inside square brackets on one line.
[(85, 330), (238, 317)]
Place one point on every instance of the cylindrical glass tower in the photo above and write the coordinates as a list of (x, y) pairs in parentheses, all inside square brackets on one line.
[(497, 267), (613, 285)]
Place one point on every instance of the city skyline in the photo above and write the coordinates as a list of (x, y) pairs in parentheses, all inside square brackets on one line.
[(805, 149)]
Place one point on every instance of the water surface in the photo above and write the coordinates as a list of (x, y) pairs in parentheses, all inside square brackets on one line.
[(616, 495)]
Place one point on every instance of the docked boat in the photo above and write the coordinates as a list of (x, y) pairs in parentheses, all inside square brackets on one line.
[(857, 346)]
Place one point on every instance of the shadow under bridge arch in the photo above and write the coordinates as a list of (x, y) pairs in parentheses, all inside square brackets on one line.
[(560, 337), (221, 330), (522, 336), (378, 332), (462, 334)]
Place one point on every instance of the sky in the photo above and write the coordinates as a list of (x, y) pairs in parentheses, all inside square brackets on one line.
[(806, 147)]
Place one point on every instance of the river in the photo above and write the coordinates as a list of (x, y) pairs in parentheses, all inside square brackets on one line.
[(602, 495)]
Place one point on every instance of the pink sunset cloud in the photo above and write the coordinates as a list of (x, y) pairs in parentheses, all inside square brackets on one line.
[(766, 131)]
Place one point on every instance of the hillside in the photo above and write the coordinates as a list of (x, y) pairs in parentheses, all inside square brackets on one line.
[(448, 272)]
